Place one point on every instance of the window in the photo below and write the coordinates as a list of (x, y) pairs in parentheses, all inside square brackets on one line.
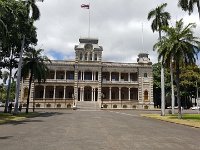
[(145, 74), (86, 56), (51, 94), (25, 92), (90, 56), (95, 56), (81, 56), (146, 96)]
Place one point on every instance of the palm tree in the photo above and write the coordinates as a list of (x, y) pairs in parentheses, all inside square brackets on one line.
[(160, 18), (180, 44), (31, 6), (35, 64), (188, 5)]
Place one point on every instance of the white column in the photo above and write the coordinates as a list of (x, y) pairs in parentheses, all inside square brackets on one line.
[(44, 92), (83, 75), (92, 94), (119, 93), (64, 92), (93, 56), (129, 77), (129, 94), (119, 76), (65, 74), (83, 94), (92, 76), (55, 75), (54, 92), (110, 93), (110, 76), (80, 93)]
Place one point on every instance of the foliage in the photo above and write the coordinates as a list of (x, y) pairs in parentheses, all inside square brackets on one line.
[(157, 83), (179, 43), (35, 64), (160, 18), (188, 5), (15, 16)]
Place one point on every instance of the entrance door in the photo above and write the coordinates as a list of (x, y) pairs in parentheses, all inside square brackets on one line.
[(87, 93)]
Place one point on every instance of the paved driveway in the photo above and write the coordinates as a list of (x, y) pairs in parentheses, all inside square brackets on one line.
[(96, 130)]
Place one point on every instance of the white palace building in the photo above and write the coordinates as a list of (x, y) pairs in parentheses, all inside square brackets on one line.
[(111, 85)]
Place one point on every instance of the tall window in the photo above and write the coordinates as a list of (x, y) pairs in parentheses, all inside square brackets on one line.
[(95, 56), (90, 56), (146, 96), (81, 56), (86, 56)]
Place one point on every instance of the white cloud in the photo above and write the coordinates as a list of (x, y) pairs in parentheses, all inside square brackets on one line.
[(117, 24)]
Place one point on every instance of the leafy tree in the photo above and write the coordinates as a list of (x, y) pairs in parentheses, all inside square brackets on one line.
[(188, 5), (189, 80), (160, 18), (16, 21), (35, 64), (179, 43)]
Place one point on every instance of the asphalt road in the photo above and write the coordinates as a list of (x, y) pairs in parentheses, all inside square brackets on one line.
[(97, 130)]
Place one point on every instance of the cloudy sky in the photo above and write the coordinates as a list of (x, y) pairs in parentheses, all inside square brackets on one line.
[(116, 23)]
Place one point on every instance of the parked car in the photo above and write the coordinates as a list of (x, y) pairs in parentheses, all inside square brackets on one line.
[(195, 108), (2, 104)]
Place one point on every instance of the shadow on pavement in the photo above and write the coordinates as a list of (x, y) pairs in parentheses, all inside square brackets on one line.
[(5, 137), (32, 118)]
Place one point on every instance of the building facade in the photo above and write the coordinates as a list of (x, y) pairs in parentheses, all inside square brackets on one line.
[(88, 78)]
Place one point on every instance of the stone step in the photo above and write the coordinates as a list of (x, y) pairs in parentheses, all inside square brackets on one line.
[(87, 105)]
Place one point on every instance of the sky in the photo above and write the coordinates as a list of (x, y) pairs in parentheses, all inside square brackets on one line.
[(120, 26)]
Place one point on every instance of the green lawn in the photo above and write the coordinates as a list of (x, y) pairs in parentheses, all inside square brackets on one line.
[(188, 119), (6, 117)]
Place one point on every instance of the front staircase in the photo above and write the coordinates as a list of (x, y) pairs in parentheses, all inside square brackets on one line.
[(87, 105)]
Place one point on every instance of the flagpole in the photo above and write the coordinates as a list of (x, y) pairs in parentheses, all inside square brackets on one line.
[(142, 38), (89, 22)]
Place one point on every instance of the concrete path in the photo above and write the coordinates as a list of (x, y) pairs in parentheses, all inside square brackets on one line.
[(96, 130)]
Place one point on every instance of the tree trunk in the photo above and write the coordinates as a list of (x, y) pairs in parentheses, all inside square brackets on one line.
[(162, 85), (29, 90), (198, 7), (172, 86), (8, 90), (178, 90)]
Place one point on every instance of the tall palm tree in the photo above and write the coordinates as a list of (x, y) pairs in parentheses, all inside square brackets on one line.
[(188, 5), (160, 18), (35, 64), (179, 43), (31, 7)]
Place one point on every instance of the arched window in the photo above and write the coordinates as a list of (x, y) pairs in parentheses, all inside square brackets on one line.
[(95, 56), (145, 75), (90, 56), (146, 98), (86, 56)]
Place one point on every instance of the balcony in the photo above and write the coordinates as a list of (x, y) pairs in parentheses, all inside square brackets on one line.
[(59, 81)]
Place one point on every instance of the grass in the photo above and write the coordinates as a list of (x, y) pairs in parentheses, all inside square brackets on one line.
[(192, 120), (6, 117)]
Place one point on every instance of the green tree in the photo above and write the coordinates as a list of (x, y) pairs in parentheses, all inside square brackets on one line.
[(179, 43), (188, 5), (189, 79), (35, 64), (160, 19), (15, 19)]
